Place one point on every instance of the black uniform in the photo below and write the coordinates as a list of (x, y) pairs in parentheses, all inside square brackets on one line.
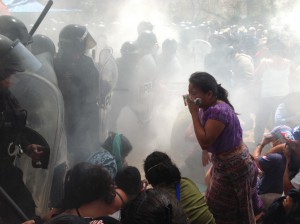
[(79, 84), (78, 80), (13, 119)]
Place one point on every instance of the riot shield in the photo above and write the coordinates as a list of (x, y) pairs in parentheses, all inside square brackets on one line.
[(143, 89), (44, 104), (198, 49), (108, 67), (107, 81), (47, 70)]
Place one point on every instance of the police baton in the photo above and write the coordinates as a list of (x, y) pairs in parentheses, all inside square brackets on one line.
[(13, 205), (41, 17)]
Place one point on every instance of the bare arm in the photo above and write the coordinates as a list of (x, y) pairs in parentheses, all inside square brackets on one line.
[(277, 149), (259, 148), (257, 153), (207, 177), (287, 185), (206, 136)]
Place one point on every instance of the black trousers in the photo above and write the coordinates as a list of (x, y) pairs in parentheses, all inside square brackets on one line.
[(11, 180)]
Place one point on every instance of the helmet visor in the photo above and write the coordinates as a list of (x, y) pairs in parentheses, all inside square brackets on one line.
[(90, 41)]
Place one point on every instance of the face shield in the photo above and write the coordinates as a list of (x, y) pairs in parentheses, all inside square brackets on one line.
[(89, 40), (24, 60)]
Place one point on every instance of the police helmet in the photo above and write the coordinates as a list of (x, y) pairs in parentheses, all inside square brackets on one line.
[(147, 39), (129, 48), (14, 28), (169, 46), (41, 44), (76, 37), (15, 57), (143, 26)]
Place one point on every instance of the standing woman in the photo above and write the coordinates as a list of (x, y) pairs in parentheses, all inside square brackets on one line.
[(218, 131)]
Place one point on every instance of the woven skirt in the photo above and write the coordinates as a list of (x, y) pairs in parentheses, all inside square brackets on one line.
[(229, 195)]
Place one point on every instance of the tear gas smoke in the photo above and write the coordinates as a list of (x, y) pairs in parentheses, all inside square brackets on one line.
[(118, 23)]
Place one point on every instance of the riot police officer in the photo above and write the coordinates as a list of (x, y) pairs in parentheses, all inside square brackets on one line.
[(167, 62), (14, 29), (123, 94), (12, 142), (78, 80), (144, 26), (42, 44), (146, 75)]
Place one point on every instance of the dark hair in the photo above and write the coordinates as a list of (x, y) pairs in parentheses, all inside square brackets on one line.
[(294, 213), (126, 146), (85, 183), (153, 207), (129, 180), (159, 169), (206, 82)]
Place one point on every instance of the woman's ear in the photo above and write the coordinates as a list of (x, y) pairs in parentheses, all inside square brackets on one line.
[(210, 93)]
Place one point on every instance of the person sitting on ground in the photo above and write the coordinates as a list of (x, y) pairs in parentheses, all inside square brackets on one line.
[(88, 195), (128, 186), (119, 146), (291, 150), (284, 210), (270, 184), (105, 159), (129, 180), (162, 173), (153, 206)]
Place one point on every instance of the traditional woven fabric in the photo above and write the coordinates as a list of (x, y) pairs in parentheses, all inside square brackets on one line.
[(229, 195), (104, 158)]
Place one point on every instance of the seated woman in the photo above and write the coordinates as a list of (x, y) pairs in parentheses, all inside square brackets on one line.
[(161, 172), (153, 207), (117, 145), (88, 194)]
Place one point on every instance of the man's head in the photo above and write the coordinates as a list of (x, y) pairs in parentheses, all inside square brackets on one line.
[(143, 26), (169, 46), (129, 180), (147, 42), (275, 135), (292, 137), (85, 183), (129, 49), (76, 39)]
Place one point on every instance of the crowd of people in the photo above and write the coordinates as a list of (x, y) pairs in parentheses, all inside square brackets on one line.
[(244, 185)]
